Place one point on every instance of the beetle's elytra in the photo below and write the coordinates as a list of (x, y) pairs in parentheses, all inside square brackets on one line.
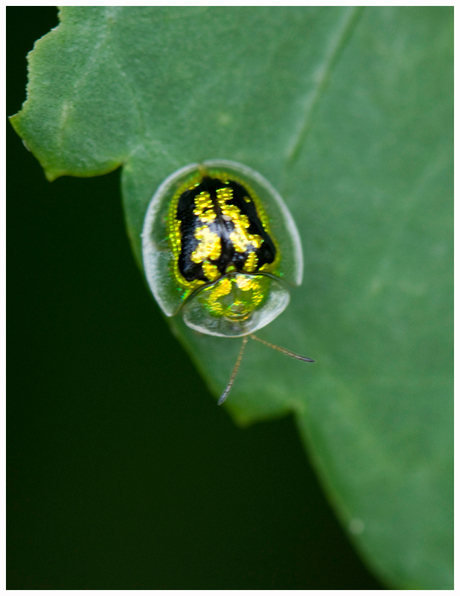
[(219, 230)]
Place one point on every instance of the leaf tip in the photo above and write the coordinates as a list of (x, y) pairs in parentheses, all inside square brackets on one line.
[(51, 175)]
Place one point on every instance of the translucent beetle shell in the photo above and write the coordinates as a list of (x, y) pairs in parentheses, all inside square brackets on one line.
[(220, 247)]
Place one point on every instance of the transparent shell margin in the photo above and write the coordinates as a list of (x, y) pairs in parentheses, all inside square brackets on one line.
[(157, 254)]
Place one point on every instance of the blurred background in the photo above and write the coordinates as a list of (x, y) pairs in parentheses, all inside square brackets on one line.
[(122, 472)]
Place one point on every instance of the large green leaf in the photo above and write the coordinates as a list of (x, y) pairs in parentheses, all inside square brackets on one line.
[(348, 112)]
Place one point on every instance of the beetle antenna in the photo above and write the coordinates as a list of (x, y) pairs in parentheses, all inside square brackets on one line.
[(282, 350), (223, 397)]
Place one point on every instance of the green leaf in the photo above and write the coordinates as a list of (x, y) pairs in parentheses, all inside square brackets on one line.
[(349, 114)]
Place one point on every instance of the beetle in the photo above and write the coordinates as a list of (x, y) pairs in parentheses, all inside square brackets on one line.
[(221, 247)]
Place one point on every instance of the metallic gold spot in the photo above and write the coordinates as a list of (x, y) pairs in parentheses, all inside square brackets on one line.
[(204, 208), (251, 263), (211, 271), (256, 285), (244, 282), (175, 237), (222, 288), (209, 245), (223, 195), (235, 297), (239, 241), (239, 237)]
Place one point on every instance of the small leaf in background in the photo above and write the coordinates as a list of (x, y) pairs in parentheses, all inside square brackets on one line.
[(349, 113)]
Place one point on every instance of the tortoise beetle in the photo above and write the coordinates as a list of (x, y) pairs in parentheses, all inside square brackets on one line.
[(221, 247)]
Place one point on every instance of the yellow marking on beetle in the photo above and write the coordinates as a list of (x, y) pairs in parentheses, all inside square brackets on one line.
[(211, 271), (221, 289), (209, 245), (175, 237), (244, 282), (257, 285), (251, 263), (240, 238), (217, 291), (235, 297), (204, 208)]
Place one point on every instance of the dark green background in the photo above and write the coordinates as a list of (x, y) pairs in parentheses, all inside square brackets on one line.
[(122, 472)]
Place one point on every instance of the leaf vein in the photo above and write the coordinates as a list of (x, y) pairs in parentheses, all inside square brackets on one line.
[(323, 76)]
